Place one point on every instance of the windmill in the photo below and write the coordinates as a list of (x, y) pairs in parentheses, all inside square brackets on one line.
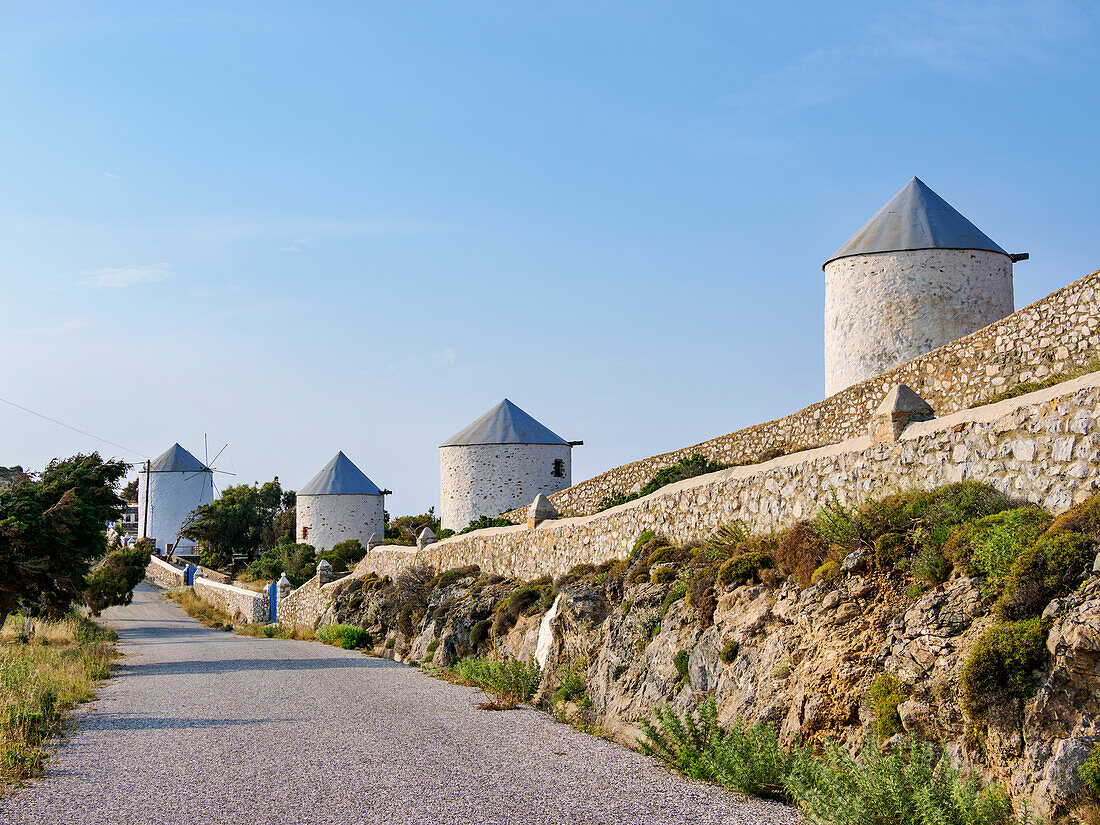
[(207, 468)]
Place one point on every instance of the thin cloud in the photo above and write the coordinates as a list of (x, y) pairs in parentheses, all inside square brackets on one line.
[(121, 276), (955, 38), (297, 245), (111, 175), (445, 357)]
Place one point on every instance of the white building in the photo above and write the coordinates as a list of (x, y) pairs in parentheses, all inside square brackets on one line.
[(500, 462), (339, 504), (170, 488), (919, 275)]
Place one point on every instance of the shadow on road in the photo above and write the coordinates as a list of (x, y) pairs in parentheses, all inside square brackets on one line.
[(194, 666)]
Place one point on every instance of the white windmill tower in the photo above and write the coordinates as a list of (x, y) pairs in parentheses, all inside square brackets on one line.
[(170, 488)]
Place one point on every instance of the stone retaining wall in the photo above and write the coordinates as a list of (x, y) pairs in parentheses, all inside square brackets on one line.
[(163, 574), (239, 604), (1043, 447), (1047, 337), (304, 606)]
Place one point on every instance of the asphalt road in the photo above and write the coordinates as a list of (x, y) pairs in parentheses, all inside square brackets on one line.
[(203, 726)]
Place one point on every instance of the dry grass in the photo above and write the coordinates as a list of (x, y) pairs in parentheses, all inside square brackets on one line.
[(43, 675), (278, 631), (196, 608)]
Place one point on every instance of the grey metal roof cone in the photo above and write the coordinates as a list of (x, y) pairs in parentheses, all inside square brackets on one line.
[(340, 477), (176, 460), (505, 424), (916, 218)]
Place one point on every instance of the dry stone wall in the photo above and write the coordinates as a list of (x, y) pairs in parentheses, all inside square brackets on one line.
[(1043, 447), (304, 606), (1047, 337), (239, 604), (163, 574)]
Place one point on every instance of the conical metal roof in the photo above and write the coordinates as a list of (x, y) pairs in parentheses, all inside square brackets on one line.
[(340, 477), (505, 424), (916, 218), (176, 460)]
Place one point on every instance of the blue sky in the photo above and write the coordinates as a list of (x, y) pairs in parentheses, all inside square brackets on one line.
[(302, 228)]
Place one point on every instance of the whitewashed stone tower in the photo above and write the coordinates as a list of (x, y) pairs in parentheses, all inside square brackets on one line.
[(170, 488), (500, 462), (339, 504), (919, 275)]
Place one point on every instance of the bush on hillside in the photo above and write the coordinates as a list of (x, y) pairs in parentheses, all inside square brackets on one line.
[(800, 551), (886, 693), (1081, 518), (1049, 568), (990, 545), (999, 666)]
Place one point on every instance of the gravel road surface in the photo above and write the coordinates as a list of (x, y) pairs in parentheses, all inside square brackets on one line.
[(202, 726)]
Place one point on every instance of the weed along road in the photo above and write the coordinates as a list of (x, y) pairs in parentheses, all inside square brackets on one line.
[(203, 726)]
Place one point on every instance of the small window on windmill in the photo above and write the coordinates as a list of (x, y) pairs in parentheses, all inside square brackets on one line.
[(305, 532), (559, 468)]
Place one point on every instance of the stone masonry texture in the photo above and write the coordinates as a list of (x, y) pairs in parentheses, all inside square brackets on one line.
[(887, 308)]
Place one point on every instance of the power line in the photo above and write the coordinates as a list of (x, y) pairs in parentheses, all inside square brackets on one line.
[(74, 429)]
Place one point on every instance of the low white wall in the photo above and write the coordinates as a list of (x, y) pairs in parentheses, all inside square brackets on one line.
[(239, 604), (163, 574)]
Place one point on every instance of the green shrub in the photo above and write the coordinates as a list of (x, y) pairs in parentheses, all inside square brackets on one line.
[(999, 666), (571, 686), (886, 693), (827, 572), (725, 542), (479, 633), (484, 522), (662, 575), (729, 651), (1090, 774), (297, 561), (890, 548), (1049, 568), (681, 661), (1081, 518), (743, 568), (451, 576), (346, 636), (510, 680), (350, 551), (990, 545), (911, 784), (931, 567), (747, 759), (433, 646)]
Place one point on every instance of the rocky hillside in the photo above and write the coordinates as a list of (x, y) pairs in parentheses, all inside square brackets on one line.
[(956, 615)]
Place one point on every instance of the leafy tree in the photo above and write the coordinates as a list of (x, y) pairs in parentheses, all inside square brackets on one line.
[(244, 520), (407, 528), (113, 581), (130, 492), (298, 561), (51, 530)]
